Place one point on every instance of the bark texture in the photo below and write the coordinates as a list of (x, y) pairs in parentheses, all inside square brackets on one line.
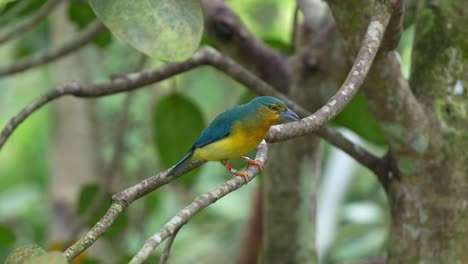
[(425, 123), (283, 225), (430, 204)]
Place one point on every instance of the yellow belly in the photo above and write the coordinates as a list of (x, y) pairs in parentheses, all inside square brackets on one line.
[(238, 143)]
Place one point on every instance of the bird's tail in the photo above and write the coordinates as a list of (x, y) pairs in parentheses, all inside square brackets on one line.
[(181, 164)]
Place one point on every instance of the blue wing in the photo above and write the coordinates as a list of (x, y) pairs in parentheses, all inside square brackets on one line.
[(220, 127)]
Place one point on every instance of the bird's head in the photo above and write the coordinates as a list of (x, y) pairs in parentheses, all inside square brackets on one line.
[(275, 109)]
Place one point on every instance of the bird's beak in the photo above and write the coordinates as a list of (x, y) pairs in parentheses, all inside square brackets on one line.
[(289, 114)]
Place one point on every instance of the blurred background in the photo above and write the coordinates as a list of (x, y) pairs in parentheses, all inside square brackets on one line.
[(59, 159)]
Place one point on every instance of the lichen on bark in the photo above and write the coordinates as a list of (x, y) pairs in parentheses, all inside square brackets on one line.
[(425, 123)]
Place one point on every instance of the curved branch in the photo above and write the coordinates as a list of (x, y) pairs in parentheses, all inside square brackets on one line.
[(124, 198), (122, 125), (354, 80), (167, 249), (205, 56), (80, 41), (120, 201), (196, 206), (313, 122), (31, 22)]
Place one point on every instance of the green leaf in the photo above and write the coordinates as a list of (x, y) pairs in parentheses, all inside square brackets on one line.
[(88, 194), (177, 124), (54, 257), (104, 39), (7, 237), (357, 117), (22, 254), (169, 30), (82, 15)]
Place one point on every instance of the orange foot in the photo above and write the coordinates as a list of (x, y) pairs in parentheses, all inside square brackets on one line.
[(253, 162), (243, 174)]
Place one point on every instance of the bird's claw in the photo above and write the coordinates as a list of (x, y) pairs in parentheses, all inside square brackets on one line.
[(253, 162), (243, 174)]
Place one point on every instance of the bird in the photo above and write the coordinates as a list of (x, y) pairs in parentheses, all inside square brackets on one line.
[(237, 131)]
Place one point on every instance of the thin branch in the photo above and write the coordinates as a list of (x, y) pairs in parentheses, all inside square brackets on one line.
[(226, 28), (313, 122), (167, 249), (86, 36), (361, 155), (123, 199), (14, 12), (354, 80), (31, 22), (113, 167), (111, 171), (205, 56), (196, 206), (395, 27), (120, 201)]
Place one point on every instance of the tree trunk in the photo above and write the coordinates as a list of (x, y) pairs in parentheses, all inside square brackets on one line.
[(430, 205), (425, 124), (74, 154)]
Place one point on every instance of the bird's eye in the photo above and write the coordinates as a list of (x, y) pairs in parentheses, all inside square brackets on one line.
[(274, 107)]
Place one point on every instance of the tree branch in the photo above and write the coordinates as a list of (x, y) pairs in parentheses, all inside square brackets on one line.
[(224, 26), (111, 169), (390, 98), (196, 206), (354, 80), (31, 22), (123, 199), (120, 201), (80, 41), (205, 56), (167, 249)]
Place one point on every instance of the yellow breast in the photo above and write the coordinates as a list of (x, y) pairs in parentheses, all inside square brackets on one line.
[(240, 141)]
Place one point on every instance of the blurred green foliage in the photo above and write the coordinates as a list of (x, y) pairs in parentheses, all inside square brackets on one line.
[(18, 9), (177, 122), (87, 195), (7, 236), (357, 117), (82, 15), (163, 124)]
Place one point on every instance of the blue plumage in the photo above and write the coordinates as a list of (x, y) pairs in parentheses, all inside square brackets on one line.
[(221, 127)]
